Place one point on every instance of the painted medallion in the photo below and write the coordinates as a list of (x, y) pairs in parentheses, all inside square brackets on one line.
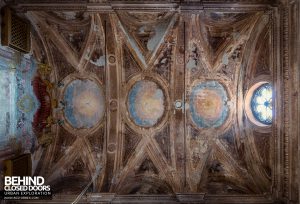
[(84, 103), (146, 103), (208, 104)]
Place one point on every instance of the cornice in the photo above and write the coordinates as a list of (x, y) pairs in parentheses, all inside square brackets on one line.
[(178, 198), (109, 5)]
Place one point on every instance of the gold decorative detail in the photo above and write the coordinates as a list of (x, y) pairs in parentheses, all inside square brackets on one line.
[(23, 107), (49, 85), (44, 69), (46, 139), (50, 121)]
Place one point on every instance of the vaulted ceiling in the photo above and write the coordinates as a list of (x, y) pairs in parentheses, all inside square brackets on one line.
[(158, 99), (171, 153)]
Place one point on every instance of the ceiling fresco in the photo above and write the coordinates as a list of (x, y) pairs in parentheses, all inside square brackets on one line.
[(146, 103), (192, 147), (84, 103), (156, 97), (19, 102), (208, 104)]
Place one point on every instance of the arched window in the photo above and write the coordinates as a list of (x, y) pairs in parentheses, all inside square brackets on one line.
[(261, 104)]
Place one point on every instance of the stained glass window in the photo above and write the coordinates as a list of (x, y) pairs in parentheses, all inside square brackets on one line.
[(261, 104)]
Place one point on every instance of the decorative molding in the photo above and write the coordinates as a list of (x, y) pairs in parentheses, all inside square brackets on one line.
[(112, 5), (286, 100), (199, 198), (176, 157)]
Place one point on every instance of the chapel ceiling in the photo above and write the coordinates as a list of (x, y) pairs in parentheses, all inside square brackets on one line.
[(156, 99)]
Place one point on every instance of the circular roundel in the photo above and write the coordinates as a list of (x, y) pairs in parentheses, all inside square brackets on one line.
[(84, 103), (261, 104), (26, 103), (208, 104), (146, 103)]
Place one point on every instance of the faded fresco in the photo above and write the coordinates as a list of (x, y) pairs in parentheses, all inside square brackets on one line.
[(156, 98), (208, 104), (84, 103), (17, 99), (146, 103)]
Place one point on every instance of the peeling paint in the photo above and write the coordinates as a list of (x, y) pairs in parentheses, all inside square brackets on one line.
[(69, 15), (96, 28), (191, 64), (100, 62), (134, 45), (235, 36), (225, 59), (87, 55), (160, 30)]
